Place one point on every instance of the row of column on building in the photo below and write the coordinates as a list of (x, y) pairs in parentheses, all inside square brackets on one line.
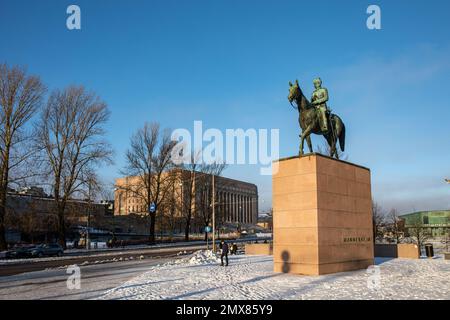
[(239, 208)]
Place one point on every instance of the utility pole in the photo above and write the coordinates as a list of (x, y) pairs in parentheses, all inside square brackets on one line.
[(213, 214)]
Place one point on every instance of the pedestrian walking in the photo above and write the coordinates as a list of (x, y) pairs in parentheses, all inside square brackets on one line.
[(235, 248), (224, 253)]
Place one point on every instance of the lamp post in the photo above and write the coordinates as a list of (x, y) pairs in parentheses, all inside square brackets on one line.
[(180, 184), (213, 214), (447, 240)]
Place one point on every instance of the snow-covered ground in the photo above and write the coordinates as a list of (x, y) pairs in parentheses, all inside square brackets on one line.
[(251, 277)]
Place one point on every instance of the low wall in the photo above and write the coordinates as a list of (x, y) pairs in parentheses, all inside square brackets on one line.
[(408, 250), (401, 250), (259, 249), (386, 250)]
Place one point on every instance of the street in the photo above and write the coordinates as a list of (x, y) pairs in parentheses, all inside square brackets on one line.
[(95, 280)]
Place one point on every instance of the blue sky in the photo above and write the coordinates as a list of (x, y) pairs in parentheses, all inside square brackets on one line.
[(228, 64)]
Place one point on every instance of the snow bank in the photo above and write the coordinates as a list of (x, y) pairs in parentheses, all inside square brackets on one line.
[(201, 257)]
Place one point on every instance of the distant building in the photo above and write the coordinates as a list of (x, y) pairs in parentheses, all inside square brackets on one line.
[(437, 222), (33, 191), (31, 215), (109, 205), (236, 201), (265, 220)]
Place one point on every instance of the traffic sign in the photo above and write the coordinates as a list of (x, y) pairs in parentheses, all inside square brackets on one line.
[(208, 229), (152, 207)]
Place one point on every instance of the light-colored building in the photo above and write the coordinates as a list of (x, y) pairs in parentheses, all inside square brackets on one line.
[(436, 222), (265, 220), (236, 201)]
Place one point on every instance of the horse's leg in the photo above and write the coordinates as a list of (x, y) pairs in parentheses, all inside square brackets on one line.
[(334, 137), (332, 146), (308, 140), (335, 149), (300, 150), (305, 134), (329, 139)]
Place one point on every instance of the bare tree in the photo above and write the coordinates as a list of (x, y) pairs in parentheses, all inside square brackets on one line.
[(148, 161), (395, 224), (446, 241), (419, 232), (378, 219), (71, 133), (28, 215), (187, 199), (192, 177), (20, 97), (170, 205), (205, 191)]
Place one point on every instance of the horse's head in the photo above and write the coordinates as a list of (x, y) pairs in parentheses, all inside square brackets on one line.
[(295, 92)]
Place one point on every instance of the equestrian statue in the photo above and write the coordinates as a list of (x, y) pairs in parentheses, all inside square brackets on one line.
[(316, 117)]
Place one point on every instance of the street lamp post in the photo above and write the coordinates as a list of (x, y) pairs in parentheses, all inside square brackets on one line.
[(213, 215), (180, 184), (447, 240)]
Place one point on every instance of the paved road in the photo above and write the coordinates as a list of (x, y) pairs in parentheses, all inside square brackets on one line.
[(95, 279), (29, 265)]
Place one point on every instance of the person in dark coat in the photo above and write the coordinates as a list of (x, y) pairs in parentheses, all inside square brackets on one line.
[(235, 248), (224, 253)]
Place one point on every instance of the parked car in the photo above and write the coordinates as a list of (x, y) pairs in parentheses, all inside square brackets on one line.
[(47, 250), (19, 252)]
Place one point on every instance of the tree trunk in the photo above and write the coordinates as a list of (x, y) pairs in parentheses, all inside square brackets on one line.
[(61, 229), (188, 226), (3, 194), (419, 243), (60, 207), (3, 245), (186, 230), (3, 197)]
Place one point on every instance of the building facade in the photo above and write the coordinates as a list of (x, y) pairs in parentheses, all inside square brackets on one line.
[(32, 216), (265, 220), (235, 201), (437, 222)]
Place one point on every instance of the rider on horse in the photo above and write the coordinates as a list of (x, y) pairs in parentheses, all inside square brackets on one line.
[(319, 100)]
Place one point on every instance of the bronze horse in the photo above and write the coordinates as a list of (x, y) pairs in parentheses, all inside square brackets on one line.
[(309, 122)]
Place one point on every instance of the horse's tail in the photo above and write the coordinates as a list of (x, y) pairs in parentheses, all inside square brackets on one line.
[(342, 137)]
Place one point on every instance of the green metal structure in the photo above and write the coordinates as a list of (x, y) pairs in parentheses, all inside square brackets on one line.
[(437, 221)]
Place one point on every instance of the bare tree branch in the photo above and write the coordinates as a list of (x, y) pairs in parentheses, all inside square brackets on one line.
[(20, 97), (71, 131), (148, 161)]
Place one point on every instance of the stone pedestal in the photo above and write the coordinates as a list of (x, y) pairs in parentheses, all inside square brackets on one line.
[(322, 216)]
